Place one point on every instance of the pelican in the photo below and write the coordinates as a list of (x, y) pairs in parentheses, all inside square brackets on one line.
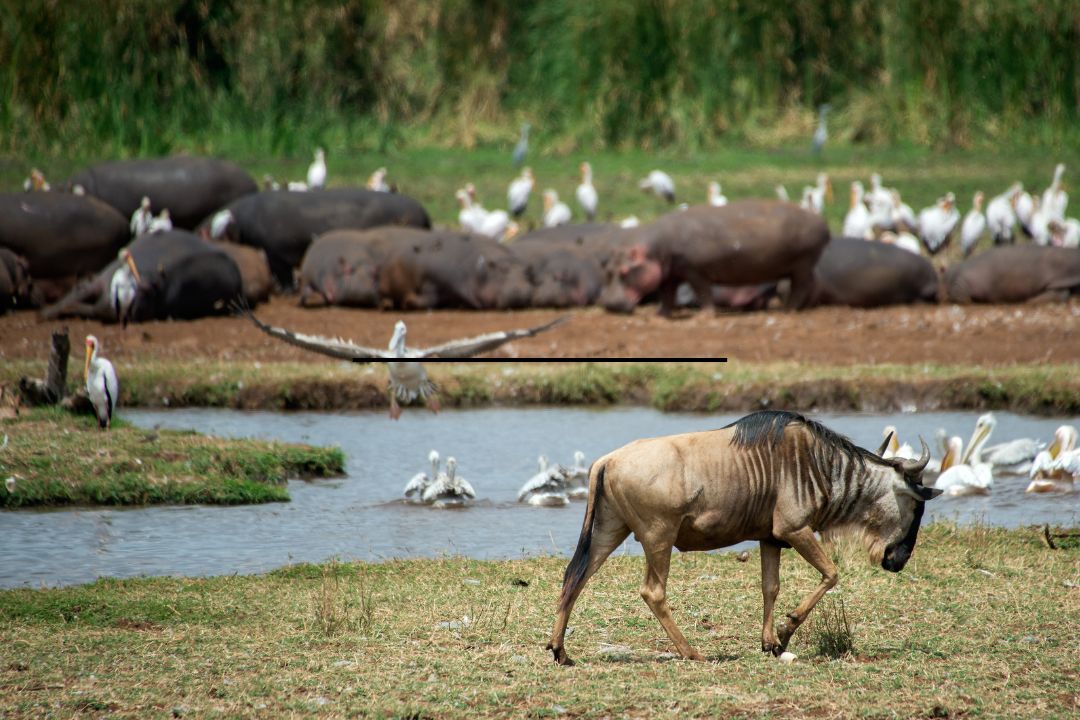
[(555, 211), (142, 218), (1013, 457), (893, 448), (517, 196), (101, 383), (820, 192), (522, 147), (586, 193), (937, 222), (661, 185), (974, 225), (497, 225), (960, 478), (161, 223), (1039, 227), (449, 488), (377, 181), (1056, 468), (316, 172), (414, 490), (821, 134), (1000, 216), (879, 196), (123, 287), (408, 380), (547, 487), (1054, 199), (716, 198), (857, 220), (577, 478)]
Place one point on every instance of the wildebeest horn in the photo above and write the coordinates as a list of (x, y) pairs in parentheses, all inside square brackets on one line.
[(885, 443), (911, 467)]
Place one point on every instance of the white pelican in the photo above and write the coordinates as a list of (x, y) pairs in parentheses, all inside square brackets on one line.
[(556, 212), (782, 194), (661, 184), (937, 222), (1056, 468), (101, 383), (316, 172), (959, 478), (586, 192), (821, 192), (1065, 234), (1000, 216), (857, 220), (408, 380), (821, 134), (974, 225), (879, 196), (577, 478), (547, 487), (161, 223), (1013, 457), (470, 216), (1039, 227), (1054, 199), (449, 489), (123, 287), (716, 197), (377, 181), (414, 490), (893, 448), (522, 147), (141, 218), (517, 195)]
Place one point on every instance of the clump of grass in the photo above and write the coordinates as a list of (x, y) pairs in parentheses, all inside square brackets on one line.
[(333, 611), (832, 633)]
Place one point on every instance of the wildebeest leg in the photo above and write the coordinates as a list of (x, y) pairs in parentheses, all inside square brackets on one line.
[(654, 593), (770, 587), (807, 545)]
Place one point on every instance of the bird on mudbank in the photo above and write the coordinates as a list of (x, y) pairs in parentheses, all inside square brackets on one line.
[(661, 184), (316, 174), (408, 378), (102, 386), (124, 287)]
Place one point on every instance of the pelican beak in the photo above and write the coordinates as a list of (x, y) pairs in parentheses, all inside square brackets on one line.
[(976, 439), (1055, 448), (947, 461), (131, 265)]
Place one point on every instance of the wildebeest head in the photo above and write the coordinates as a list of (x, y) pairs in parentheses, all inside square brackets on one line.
[(894, 523)]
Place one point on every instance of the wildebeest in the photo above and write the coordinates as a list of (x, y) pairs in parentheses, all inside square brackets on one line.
[(773, 476)]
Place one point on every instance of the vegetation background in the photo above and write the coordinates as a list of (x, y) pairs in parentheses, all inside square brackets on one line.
[(146, 77)]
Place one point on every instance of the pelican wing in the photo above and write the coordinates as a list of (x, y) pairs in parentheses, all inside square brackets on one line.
[(468, 347), (552, 479), (334, 347), (465, 488), (417, 485), (1013, 452)]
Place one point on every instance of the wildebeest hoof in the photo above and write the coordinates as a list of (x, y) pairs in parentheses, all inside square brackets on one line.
[(560, 655)]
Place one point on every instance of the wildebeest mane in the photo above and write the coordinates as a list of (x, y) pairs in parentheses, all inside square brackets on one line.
[(765, 428)]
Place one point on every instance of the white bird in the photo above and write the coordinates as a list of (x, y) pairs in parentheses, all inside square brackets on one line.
[(316, 172), (716, 197), (408, 380), (414, 489), (661, 184), (377, 181), (821, 192), (1054, 199), (586, 192), (36, 182), (9, 484), (546, 488), (807, 200), (470, 216), (879, 196), (497, 225), (821, 134), (102, 386), (782, 194), (1065, 234), (577, 478), (1012, 457), (1039, 226), (449, 489), (517, 195), (903, 217), (857, 220), (937, 222), (1056, 468), (1000, 215), (959, 478), (1025, 208), (219, 224), (556, 212), (630, 222), (903, 240), (124, 287), (522, 147), (161, 223), (974, 225), (893, 448), (142, 218), (296, 186)]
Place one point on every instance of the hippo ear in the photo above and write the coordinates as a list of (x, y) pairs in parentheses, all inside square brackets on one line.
[(636, 254)]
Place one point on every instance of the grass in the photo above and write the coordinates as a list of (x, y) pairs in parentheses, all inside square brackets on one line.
[(455, 637), (61, 459)]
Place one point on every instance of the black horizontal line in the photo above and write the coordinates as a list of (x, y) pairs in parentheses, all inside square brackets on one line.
[(544, 360)]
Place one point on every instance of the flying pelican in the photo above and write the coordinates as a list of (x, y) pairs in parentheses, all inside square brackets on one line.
[(522, 147), (408, 380), (547, 487), (1056, 468), (377, 181), (556, 212), (1000, 215), (1013, 457), (517, 195), (577, 478), (449, 489), (960, 478), (821, 134), (821, 192), (316, 172), (586, 193), (414, 490), (161, 223), (661, 184), (142, 218), (974, 225), (123, 287), (857, 220), (101, 383), (716, 198), (1054, 199), (937, 222)]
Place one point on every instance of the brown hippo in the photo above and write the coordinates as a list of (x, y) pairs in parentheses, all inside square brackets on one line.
[(254, 270), (564, 274), (1015, 273), (743, 243), (866, 273), (341, 266), (189, 187)]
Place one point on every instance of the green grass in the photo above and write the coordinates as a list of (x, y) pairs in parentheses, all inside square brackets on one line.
[(980, 624), (60, 459)]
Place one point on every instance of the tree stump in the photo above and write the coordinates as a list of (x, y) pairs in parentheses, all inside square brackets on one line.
[(53, 388)]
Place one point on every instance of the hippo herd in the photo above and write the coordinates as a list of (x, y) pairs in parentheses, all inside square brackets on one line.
[(365, 248)]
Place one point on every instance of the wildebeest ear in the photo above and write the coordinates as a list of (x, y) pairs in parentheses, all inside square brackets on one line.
[(885, 444), (928, 493)]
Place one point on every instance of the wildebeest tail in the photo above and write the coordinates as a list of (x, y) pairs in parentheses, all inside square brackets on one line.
[(579, 563)]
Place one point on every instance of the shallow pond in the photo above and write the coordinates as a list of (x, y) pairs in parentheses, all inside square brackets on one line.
[(361, 516)]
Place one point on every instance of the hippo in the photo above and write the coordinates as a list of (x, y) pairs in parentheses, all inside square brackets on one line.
[(254, 270), (866, 273), (341, 267), (190, 188), (61, 236), (1013, 274), (452, 269), (182, 277), (283, 223), (14, 280), (746, 242), (564, 274)]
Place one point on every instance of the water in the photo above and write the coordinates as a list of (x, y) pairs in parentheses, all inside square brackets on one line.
[(361, 516)]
